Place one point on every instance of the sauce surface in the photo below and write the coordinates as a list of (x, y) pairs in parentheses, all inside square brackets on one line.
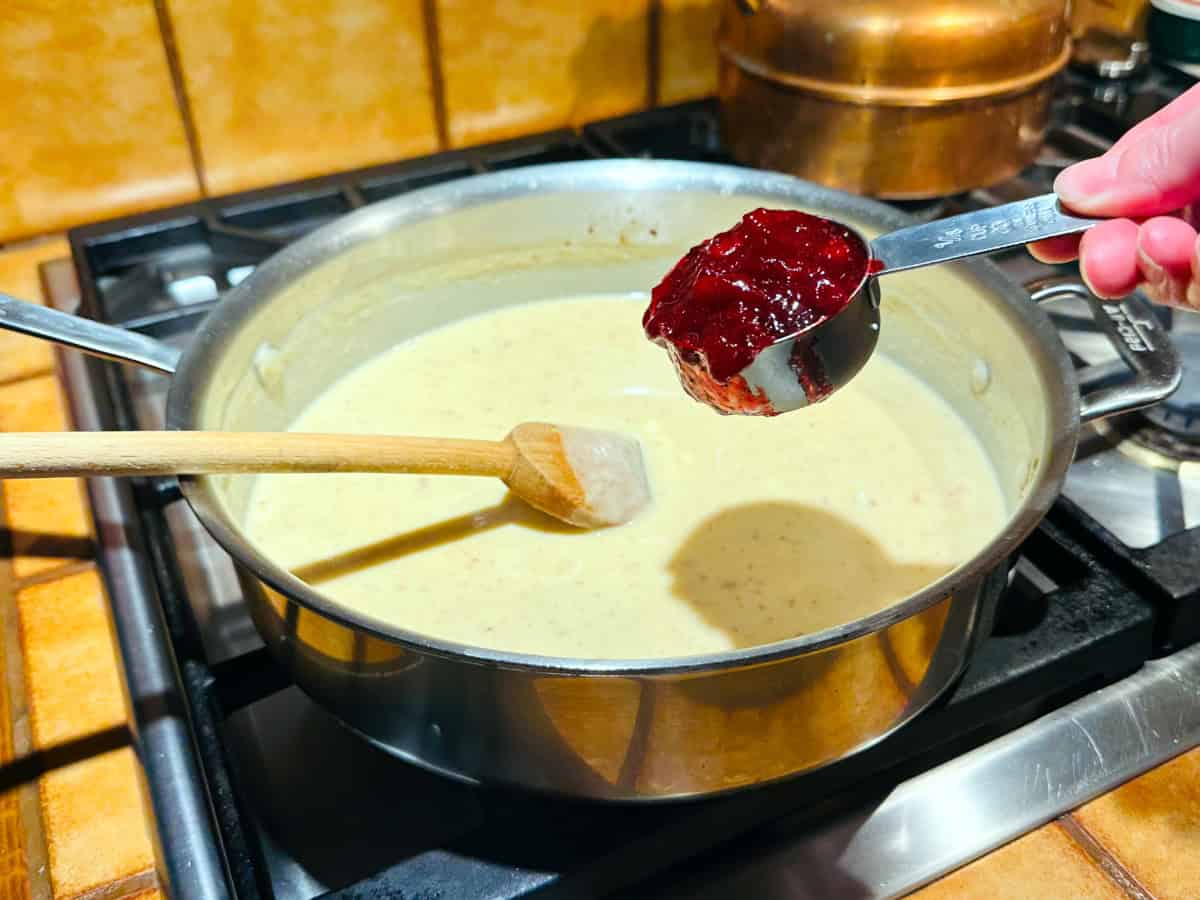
[(760, 529)]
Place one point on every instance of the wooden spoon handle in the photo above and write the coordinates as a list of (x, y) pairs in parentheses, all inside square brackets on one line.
[(74, 453)]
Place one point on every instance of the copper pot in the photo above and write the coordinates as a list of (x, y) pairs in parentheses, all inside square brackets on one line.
[(1125, 18), (909, 99)]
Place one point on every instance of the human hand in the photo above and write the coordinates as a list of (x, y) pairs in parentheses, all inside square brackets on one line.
[(1150, 178)]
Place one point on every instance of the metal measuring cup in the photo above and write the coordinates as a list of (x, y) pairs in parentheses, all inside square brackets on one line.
[(806, 367)]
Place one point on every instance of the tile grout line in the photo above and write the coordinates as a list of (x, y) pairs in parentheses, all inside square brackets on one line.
[(125, 886), (60, 572), (1107, 863), (437, 80), (653, 53), (27, 376), (166, 30), (31, 242), (29, 803)]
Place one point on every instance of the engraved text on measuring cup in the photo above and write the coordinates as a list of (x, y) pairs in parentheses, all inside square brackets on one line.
[(1027, 220)]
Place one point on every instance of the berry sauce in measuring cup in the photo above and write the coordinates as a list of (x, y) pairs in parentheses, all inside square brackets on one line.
[(774, 274)]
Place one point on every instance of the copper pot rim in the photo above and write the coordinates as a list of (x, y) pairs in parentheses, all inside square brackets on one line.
[(886, 95)]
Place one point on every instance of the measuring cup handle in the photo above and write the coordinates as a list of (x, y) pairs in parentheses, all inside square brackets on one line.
[(88, 335), (982, 231)]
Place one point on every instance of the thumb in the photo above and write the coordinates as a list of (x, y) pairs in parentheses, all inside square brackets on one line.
[(1155, 173)]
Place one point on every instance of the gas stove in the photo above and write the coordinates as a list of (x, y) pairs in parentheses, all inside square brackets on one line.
[(1086, 679)]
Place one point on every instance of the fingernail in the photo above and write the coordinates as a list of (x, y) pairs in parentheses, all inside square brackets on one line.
[(1087, 281), (1192, 298), (1078, 184), (1092, 188), (1193, 289), (1158, 283)]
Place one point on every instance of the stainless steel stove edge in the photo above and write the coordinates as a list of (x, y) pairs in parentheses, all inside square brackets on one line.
[(961, 810), (186, 845)]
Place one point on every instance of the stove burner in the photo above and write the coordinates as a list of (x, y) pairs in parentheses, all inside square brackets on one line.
[(1148, 444), (1176, 420)]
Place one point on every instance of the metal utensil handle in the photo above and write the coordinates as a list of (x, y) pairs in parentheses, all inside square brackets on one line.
[(982, 231), (87, 335), (1139, 338)]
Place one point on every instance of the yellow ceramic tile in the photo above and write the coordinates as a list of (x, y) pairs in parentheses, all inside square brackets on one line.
[(1152, 826), (89, 119), (71, 673), (22, 356), (688, 49), (96, 832), (284, 89), (1044, 865), (531, 65), (49, 524), (19, 265), (48, 518), (33, 405)]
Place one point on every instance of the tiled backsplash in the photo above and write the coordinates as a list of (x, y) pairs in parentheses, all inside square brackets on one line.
[(285, 89), (110, 106), (89, 125)]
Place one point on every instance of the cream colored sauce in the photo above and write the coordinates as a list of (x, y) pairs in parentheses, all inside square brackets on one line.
[(760, 529)]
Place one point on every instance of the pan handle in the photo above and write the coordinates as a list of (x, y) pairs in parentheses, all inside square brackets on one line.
[(1135, 332), (88, 335)]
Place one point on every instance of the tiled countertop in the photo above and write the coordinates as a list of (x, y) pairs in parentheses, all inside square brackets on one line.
[(72, 820), (71, 808)]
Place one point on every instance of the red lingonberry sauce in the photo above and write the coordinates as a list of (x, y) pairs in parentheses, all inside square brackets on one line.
[(733, 396), (775, 273), (810, 373)]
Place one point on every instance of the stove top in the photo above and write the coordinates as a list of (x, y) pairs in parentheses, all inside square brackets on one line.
[(259, 793)]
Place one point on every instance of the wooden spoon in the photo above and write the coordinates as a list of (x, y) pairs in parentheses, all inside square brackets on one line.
[(584, 477)]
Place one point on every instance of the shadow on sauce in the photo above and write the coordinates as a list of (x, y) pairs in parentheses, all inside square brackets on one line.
[(760, 572), (509, 511), (764, 572)]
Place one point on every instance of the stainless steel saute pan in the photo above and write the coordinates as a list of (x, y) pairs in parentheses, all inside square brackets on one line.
[(616, 729)]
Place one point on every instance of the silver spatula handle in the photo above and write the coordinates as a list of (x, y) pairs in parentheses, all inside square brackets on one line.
[(983, 231), (88, 335)]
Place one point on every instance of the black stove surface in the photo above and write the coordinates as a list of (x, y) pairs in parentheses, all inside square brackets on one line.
[(301, 808)]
